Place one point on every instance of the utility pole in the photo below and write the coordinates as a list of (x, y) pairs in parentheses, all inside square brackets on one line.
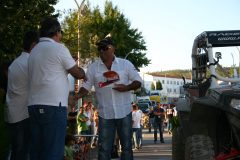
[(239, 62), (80, 9)]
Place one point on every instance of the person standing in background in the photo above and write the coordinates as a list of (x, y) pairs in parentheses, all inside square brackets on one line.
[(159, 116), (17, 97), (151, 116), (136, 121), (169, 115), (72, 116)]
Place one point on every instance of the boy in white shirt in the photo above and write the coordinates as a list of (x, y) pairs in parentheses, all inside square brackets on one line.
[(136, 121)]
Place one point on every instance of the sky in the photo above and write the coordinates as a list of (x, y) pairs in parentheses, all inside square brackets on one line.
[(169, 27)]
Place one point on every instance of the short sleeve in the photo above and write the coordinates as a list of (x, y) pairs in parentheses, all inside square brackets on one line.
[(134, 116), (66, 58), (133, 74), (65, 151)]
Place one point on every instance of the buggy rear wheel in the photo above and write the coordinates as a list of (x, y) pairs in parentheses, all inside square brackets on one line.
[(199, 147)]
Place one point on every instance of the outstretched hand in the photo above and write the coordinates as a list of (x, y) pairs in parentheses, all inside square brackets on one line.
[(75, 57), (72, 100), (121, 88)]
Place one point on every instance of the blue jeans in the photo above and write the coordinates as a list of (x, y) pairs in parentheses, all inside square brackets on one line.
[(156, 126), (20, 139), (136, 137), (151, 121), (48, 129), (140, 134), (169, 125), (106, 131)]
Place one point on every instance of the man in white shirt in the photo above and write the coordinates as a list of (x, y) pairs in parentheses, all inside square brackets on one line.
[(48, 66), (110, 77), (136, 121), (17, 96)]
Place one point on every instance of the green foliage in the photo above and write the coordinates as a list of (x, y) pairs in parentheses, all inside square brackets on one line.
[(159, 85), (4, 138), (152, 86), (188, 72), (17, 17), (99, 24), (175, 122)]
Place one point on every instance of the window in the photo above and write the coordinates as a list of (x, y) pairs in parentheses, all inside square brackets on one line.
[(170, 82), (177, 83), (174, 90), (174, 82), (162, 81), (167, 81), (170, 90)]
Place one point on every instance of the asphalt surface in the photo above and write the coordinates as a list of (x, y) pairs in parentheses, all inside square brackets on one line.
[(149, 150)]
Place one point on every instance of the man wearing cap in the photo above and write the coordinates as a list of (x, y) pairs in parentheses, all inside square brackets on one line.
[(110, 76)]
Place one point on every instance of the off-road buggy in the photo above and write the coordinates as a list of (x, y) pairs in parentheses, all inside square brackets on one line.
[(210, 114)]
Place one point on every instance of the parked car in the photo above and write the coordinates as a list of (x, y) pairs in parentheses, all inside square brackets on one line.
[(182, 96), (149, 103), (153, 103), (144, 107)]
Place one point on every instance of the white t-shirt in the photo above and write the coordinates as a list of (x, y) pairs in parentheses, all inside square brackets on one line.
[(112, 104), (141, 114), (47, 65), (136, 117), (17, 90), (87, 114), (175, 111)]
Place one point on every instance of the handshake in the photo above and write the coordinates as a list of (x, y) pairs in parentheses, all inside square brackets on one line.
[(72, 100)]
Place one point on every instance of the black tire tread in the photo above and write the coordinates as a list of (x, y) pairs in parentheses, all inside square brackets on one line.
[(199, 147), (178, 147)]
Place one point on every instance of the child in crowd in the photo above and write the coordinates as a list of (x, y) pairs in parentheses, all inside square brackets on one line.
[(85, 146), (69, 152), (96, 120), (78, 146)]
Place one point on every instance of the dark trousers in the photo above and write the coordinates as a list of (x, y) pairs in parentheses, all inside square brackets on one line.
[(156, 126)]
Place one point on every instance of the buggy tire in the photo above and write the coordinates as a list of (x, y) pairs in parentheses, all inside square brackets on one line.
[(199, 147), (178, 147)]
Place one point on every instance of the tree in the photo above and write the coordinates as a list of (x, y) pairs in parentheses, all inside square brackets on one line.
[(17, 17), (159, 85), (152, 86), (4, 137), (100, 24)]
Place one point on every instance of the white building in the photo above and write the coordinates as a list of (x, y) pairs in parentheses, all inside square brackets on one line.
[(170, 84)]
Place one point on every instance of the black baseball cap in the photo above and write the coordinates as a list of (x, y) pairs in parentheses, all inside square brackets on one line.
[(106, 41)]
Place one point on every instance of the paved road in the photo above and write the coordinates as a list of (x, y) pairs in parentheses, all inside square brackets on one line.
[(150, 151)]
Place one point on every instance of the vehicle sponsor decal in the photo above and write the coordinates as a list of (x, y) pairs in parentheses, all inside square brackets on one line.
[(215, 95), (218, 37)]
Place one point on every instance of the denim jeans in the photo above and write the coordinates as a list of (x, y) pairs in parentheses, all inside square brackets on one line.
[(151, 121), (156, 126), (20, 139), (169, 125), (140, 135), (48, 129), (107, 133), (136, 137)]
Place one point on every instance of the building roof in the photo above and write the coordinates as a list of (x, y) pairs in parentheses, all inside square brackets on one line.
[(156, 75)]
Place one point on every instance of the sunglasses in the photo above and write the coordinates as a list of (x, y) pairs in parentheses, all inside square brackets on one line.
[(104, 48)]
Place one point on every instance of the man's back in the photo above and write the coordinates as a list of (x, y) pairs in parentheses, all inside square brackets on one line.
[(48, 64), (136, 118), (17, 94)]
